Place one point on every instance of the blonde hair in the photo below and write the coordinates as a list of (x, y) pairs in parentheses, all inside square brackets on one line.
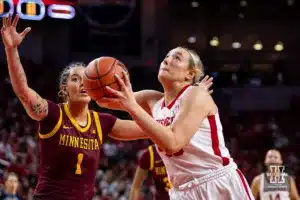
[(195, 63)]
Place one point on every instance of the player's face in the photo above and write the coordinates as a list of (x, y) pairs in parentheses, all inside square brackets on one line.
[(175, 66), (273, 157), (11, 184), (76, 92)]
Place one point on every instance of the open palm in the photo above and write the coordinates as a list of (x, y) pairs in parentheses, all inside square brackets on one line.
[(11, 38)]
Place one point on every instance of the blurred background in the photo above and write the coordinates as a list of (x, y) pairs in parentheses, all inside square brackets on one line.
[(251, 48)]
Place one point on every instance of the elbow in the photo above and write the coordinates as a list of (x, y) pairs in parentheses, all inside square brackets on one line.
[(173, 149), (20, 88)]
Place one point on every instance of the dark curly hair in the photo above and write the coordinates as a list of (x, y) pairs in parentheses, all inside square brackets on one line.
[(64, 75)]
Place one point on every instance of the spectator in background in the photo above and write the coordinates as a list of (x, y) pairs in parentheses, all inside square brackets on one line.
[(11, 185)]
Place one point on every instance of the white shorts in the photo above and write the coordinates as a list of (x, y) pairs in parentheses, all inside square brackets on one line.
[(227, 183)]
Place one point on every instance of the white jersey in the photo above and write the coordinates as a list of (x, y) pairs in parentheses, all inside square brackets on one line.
[(271, 191), (204, 153)]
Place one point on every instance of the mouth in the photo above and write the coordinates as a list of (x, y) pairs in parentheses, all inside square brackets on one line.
[(164, 69), (83, 91)]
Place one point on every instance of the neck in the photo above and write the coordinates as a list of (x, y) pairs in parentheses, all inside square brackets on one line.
[(10, 192), (78, 110), (172, 90)]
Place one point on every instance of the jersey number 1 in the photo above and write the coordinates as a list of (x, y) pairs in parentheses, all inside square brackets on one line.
[(78, 165)]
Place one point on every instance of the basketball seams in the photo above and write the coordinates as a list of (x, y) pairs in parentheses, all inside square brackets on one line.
[(99, 77), (99, 84)]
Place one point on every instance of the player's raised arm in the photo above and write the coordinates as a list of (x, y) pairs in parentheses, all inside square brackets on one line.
[(36, 107)]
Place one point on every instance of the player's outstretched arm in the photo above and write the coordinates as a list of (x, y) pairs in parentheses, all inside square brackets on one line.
[(127, 130), (36, 107), (145, 98), (255, 187), (140, 175)]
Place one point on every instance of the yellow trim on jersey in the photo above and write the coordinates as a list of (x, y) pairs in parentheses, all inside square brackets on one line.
[(151, 152), (98, 125), (55, 129), (74, 122)]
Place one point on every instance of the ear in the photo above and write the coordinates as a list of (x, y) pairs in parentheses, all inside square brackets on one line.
[(63, 88), (190, 76)]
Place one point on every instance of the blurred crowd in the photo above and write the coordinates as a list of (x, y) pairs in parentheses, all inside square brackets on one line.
[(248, 136)]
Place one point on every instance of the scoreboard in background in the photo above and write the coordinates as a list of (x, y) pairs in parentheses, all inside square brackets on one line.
[(38, 9)]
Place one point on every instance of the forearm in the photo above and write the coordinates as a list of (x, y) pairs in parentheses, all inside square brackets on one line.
[(16, 72), (159, 134), (134, 193), (35, 106)]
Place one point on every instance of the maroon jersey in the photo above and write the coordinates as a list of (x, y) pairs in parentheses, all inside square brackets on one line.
[(69, 153), (150, 160)]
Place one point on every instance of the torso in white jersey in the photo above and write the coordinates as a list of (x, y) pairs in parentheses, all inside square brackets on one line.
[(274, 191), (204, 153)]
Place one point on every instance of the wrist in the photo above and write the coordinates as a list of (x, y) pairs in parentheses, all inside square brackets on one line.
[(10, 49)]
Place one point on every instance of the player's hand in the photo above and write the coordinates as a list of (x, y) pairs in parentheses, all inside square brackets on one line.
[(11, 38), (206, 82), (125, 97)]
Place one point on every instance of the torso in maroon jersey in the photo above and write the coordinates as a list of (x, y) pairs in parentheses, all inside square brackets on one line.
[(69, 157), (150, 160)]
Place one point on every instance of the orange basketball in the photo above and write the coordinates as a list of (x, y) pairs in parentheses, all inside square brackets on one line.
[(100, 73)]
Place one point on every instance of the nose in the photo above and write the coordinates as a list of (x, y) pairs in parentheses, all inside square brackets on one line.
[(166, 62)]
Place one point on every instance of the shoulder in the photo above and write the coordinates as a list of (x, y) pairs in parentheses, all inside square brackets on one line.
[(147, 98), (144, 159), (52, 122), (196, 97), (106, 121)]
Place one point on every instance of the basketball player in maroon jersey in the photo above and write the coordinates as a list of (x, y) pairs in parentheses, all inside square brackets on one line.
[(70, 135), (150, 161)]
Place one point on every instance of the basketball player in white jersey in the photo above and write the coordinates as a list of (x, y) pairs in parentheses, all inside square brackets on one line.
[(186, 129), (280, 187)]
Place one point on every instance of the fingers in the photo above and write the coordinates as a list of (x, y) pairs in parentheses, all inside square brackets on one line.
[(208, 85), (26, 31), (205, 78), (15, 21), (4, 22), (126, 78), (9, 20), (111, 92), (210, 91), (120, 81)]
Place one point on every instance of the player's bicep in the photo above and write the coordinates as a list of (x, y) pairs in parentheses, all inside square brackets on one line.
[(194, 108), (127, 130), (35, 106), (50, 124), (147, 98)]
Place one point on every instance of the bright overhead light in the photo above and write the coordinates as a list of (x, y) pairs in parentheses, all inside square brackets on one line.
[(279, 46), (243, 3), (194, 4), (192, 39), (258, 46), (236, 45), (214, 42)]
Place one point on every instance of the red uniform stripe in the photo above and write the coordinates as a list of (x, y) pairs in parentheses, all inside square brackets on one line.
[(243, 182), (174, 100), (215, 139)]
